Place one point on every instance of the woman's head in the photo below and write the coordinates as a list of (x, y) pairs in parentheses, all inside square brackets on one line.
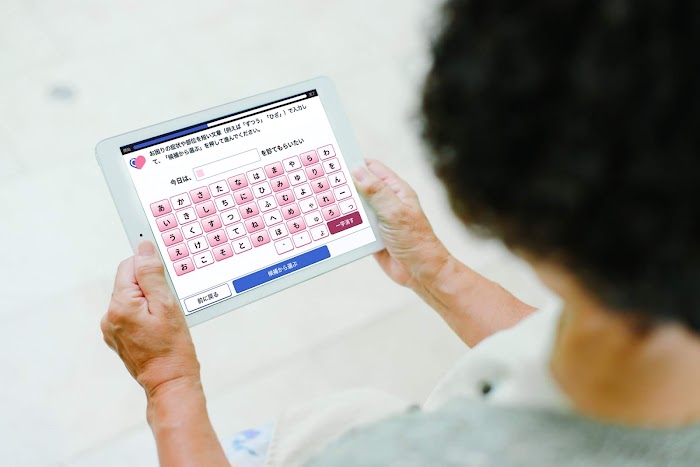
[(571, 130)]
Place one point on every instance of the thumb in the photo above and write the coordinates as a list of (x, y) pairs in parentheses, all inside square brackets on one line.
[(377, 192), (150, 274)]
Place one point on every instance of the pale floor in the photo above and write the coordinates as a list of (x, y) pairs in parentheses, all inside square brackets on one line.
[(73, 72)]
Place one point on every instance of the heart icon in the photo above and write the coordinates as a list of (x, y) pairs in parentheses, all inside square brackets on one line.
[(138, 162)]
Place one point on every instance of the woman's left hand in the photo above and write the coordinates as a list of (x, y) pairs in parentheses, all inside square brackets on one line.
[(145, 326)]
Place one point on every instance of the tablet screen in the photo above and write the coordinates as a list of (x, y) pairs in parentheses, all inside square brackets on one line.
[(245, 199)]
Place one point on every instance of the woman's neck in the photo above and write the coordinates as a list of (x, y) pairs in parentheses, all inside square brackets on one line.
[(615, 371)]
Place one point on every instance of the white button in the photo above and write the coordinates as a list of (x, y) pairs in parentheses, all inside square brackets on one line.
[(342, 192), (180, 201), (302, 191), (313, 218), (242, 245), (219, 188), (347, 206), (297, 177), (207, 298), (235, 231), (272, 217), (267, 203), (197, 244), (186, 215), (301, 239), (255, 176), (336, 179), (283, 246), (278, 232), (192, 230), (230, 216), (330, 166), (292, 163), (261, 189), (308, 205), (224, 203), (319, 232), (203, 259)]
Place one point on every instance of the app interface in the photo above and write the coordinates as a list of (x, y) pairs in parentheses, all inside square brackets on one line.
[(245, 199)]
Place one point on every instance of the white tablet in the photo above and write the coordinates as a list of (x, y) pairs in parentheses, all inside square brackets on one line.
[(245, 199)]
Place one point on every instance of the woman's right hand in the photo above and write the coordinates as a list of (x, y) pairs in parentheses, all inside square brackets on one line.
[(413, 253)]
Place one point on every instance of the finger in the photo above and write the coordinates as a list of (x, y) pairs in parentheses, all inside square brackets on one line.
[(125, 278), (150, 276), (106, 331), (377, 192), (396, 183)]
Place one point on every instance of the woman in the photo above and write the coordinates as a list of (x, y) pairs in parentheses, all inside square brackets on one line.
[(569, 130)]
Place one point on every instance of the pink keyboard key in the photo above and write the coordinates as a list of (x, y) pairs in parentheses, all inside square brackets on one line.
[(178, 252), (180, 201), (237, 182), (331, 165), (314, 171), (324, 199), (249, 210), (161, 208), (255, 176), (243, 196), (172, 237), (260, 238), (284, 197), (216, 238), (296, 225), (254, 224), (166, 222), (326, 152), (309, 157), (211, 223), (330, 212), (290, 211), (337, 179), (320, 185), (223, 252), (184, 266), (291, 164), (279, 183), (205, 209), (200, 194), (273, 170)]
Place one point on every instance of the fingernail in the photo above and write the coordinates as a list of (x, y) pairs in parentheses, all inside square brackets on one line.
[(146, 249), (359, 173)]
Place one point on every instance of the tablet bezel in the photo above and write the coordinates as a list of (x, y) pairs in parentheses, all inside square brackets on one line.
[(135, 220)]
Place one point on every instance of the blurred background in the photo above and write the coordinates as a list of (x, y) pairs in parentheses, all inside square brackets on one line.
[(74, 72)]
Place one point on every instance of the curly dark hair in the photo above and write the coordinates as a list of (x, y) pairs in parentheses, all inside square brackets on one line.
[(571, 130)]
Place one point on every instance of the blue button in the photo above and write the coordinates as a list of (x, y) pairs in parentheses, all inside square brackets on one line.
[(280, 269)]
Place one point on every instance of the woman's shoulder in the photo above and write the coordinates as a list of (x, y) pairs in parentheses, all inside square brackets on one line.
[(467, 432)]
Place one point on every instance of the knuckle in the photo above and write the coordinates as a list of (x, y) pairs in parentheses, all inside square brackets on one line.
[(149, 267), (375, 187)]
